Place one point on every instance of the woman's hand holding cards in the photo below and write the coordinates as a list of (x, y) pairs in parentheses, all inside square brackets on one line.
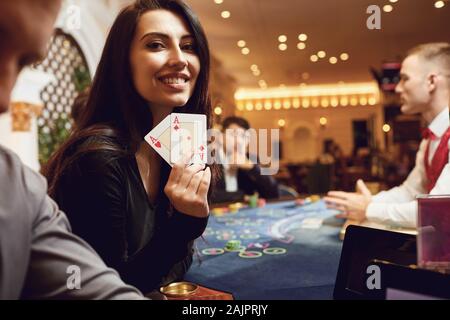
[(187, 188)]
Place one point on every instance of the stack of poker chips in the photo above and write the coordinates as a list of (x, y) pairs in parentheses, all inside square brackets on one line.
[(233, 245), (234, 207), (253, 200)]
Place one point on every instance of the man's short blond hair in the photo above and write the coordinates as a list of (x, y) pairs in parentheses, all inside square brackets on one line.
[(436, 52)]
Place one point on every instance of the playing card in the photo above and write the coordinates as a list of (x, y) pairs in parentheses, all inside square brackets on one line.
[(188, 133), (159, 139), (311, 223)]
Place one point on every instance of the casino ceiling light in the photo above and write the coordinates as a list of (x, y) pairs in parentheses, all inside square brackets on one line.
[(323, 121), (241, 43), (256, 73), (254, 67), (439, 4), (282, 38), (301, 46), (282, 46), (313, 95), (218, 110), (321, 54), (386, 128), (277, 105), (393, 1), (281, 123), (324, 90), (324, 103), (262, 84), (245, 51), (225, 14), (344, 56), (314, 58), (302, 37), (333, 60), (388, 8), (218, 1)]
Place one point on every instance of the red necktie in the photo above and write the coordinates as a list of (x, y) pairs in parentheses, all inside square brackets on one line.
[(440, 157)]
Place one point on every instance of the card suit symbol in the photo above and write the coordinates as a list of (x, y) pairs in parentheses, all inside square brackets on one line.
[(176, 127), (156, 142), (202, 148), (189, 138)]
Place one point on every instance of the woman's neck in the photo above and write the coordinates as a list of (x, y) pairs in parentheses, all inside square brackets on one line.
[(159, 113)]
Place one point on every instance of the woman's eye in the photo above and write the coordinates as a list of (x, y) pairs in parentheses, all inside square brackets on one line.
[(155, 45), (188, 47)]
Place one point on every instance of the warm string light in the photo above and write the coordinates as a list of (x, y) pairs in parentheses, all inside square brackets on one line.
[(306, 102)]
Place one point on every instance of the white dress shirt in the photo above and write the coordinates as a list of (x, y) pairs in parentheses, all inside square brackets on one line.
[(398, 206)]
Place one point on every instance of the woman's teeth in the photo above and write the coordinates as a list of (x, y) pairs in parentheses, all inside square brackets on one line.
[(173, 80)]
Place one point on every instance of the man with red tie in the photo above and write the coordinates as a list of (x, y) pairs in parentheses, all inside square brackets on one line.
[(424, 89)]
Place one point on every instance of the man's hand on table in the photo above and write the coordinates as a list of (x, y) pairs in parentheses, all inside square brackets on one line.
[(353, 205)]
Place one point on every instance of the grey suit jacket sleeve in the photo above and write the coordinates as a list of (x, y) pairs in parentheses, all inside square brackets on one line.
[(39, 257)]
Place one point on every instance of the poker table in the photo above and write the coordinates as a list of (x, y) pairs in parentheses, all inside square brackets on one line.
[(287, 251)]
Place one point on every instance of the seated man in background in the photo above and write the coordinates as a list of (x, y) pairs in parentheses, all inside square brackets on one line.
[(424, 89), (240, 176), (39, 256)]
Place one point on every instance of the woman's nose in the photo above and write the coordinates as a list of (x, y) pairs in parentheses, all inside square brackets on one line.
[(177, 59)]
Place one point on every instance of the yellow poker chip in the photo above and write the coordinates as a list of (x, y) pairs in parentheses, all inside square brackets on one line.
[(315, 198), (274, 251), (234, 207), (213, 251), (219, 211), (250, 254)]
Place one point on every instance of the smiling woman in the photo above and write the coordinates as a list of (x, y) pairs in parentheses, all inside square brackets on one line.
[(139, 214), (164, 62)]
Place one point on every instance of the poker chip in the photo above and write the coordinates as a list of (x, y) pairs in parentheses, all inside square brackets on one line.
[(234, 207), (274, 251), (315, 198), (233, 245), (250, 254), (261, 203), (213, 251), (240, 249), (219, 211), (253, 200)]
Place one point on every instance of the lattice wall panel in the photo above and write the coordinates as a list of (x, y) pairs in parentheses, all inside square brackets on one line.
[(66, 62)]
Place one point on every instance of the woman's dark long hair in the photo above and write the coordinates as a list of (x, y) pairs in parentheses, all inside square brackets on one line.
[(116, 117)]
